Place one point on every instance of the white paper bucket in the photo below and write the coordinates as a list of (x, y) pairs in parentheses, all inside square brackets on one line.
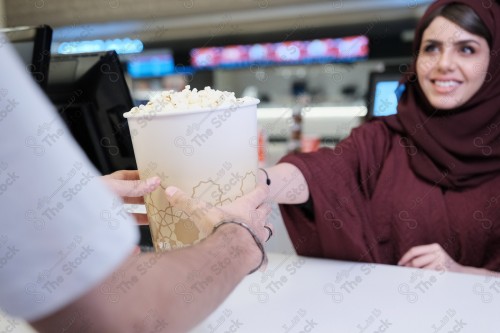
[(210, 154)]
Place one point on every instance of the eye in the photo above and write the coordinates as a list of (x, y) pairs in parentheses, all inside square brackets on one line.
[(430, 48), (467, 49)]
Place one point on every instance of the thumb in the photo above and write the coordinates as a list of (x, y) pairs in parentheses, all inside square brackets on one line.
[(256, 196), (175, 196), (180, 200), (198, 211)]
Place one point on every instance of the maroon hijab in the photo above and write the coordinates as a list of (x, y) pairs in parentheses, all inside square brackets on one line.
[(455, 148)]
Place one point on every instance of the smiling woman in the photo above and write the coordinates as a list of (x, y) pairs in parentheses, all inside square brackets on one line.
[(454, 56), (418, 188), (453, 95)]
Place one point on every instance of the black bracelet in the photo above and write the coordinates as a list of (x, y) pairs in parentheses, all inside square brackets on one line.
[(268, 181), (255, 238)]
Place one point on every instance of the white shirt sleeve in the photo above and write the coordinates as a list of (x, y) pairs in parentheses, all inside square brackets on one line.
[(62, 230)]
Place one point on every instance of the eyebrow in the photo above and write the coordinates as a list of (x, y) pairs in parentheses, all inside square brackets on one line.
[(463, 41)]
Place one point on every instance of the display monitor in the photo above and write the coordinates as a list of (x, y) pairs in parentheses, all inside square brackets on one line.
[(151, 63), (33, 46), (382, 98), (91, 95)]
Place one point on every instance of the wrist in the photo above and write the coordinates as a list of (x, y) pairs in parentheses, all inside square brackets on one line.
[(243, 241)]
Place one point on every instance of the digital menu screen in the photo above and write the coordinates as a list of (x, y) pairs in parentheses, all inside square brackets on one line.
[(385, 101), (151, 64), (346, 49)]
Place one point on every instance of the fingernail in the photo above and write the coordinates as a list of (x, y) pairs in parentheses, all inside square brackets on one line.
[(170, 191)]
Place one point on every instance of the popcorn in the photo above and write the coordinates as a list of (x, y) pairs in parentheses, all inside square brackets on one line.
[(187, 99)]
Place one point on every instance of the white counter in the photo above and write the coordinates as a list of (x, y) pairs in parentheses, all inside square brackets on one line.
[(298, 294)]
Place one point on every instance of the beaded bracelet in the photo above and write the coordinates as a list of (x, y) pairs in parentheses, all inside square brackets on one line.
[(255, 238), (268, 181)]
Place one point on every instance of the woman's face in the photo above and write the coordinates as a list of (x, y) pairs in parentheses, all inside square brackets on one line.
[(452, 64)]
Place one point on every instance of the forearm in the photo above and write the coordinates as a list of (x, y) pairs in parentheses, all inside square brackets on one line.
[(288, 185), (173, 290)]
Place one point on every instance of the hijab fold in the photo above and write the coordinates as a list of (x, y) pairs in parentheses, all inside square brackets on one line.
[(455, 148)]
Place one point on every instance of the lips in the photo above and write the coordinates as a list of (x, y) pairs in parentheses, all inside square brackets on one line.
[(445, 86)]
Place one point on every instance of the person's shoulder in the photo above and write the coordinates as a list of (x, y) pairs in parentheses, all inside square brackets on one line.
[(376, 124)]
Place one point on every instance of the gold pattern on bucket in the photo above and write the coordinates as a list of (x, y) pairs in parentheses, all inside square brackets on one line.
[(171, 229)]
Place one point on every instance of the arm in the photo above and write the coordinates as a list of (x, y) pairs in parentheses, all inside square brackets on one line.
[(165, 290), (433, 256), (357, 160), (172, 290), (288, 185)]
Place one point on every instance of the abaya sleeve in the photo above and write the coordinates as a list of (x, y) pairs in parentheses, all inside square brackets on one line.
[(334, 222)]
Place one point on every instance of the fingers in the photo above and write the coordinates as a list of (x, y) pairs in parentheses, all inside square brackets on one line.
[(179, 199), (431, 256), (417, 251), (204, 215), (132, 188), (250, 209), (259, 214), (124, 175), (423, 261), (193, 207), (258, 222), (257, 196)]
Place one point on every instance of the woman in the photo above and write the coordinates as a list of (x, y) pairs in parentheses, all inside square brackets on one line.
[(421, 188)]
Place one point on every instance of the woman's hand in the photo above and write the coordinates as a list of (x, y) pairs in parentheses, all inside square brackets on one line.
[(431, 256), (126, 184), (250, 209)]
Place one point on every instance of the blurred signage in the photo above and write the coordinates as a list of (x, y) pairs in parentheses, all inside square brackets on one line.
[(121, 46), (346, 49)]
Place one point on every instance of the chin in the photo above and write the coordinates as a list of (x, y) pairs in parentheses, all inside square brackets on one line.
[(451, 104), (444, 106)]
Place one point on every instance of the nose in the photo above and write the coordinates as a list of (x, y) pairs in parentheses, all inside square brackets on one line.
[(446, 61)]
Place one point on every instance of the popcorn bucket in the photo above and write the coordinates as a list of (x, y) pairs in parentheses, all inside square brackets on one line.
[(209, 153)]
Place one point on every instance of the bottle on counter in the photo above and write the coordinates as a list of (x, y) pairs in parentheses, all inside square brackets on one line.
[(294, 142), (302, 100)]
